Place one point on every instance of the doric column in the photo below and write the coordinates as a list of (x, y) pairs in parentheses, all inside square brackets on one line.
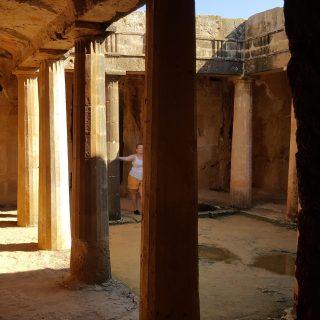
[(90, 247), (169, 264), (112, 98), (54, 210), (241, 153), (28, 148), (292, 196), (69, 106)]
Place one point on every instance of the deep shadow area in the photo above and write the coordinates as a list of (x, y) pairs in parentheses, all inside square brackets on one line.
[(8, 224), (8, 215), (42, 294), (31, 246)]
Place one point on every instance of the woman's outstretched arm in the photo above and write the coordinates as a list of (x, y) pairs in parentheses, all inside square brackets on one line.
[(129, 158)]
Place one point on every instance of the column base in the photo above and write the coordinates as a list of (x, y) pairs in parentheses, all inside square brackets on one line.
[(26, 225), (241, 200), (89, 262)]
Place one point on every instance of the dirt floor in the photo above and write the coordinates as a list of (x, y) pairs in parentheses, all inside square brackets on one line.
[(246, 272)]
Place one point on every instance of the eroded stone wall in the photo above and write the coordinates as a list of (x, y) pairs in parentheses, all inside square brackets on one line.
[(214, 112), (131, 92), (271, 135)]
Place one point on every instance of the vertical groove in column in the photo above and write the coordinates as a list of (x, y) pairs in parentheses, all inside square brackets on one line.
[(90, 260), (112, 102), (28, 150), (54, 210), (241, 153), (292, 195)]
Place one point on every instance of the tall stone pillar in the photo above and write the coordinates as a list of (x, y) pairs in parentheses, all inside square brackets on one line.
[(90, 262), (112, 98), (241, 153), (54, 209), (28, 148), (169, 264), (292, 196)]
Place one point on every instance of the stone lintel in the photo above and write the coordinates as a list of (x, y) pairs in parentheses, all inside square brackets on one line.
[(243, 79), (142, 73)]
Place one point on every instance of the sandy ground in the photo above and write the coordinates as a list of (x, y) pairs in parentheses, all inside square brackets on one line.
[(246, 269)]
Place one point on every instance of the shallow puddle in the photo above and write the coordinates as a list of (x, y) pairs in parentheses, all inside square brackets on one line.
[(213, 254), (277, 263)]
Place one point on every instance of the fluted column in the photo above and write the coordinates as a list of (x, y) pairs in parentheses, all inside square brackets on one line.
[(112, 98), (241, 153), (292, 195), (90, 260), (169, 263), (54, 209), (28, 148)]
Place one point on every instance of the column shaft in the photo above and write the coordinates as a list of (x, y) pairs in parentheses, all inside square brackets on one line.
[(241, 153), (69, 103), (90, 260), (28, 150), (112, 98), (54, 209), (292, 196), (169, 264)]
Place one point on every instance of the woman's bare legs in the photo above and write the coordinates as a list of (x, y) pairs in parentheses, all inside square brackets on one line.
[(133, 197), (141, 195)]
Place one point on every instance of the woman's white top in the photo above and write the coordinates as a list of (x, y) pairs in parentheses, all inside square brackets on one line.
[(137, 169)]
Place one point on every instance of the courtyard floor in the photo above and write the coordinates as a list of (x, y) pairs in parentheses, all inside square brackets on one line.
[(246, 272)]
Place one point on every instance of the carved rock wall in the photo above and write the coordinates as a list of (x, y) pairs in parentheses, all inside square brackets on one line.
[(271, 134)]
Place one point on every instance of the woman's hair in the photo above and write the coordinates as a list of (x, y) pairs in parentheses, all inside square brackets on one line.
[(138, 144)]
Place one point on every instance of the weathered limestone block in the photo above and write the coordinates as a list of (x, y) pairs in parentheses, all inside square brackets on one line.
[(28, 148), (54, 209)]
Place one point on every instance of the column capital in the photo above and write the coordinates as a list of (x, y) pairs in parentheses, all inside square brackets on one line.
[(26, 72), (90, 44), (93, 31), (113, 76), (52, 54), (245, 80)]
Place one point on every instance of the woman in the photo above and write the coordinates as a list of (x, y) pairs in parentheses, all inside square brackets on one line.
[(135, 177)]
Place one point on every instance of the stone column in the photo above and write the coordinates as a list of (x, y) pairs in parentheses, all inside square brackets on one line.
[(28, 148), (54, 210), (112, 98), (292, 196), (69, 106), (169, 264), (241, 153), (90, 262)]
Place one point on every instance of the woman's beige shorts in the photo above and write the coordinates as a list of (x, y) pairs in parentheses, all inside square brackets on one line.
[(133, 183)]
